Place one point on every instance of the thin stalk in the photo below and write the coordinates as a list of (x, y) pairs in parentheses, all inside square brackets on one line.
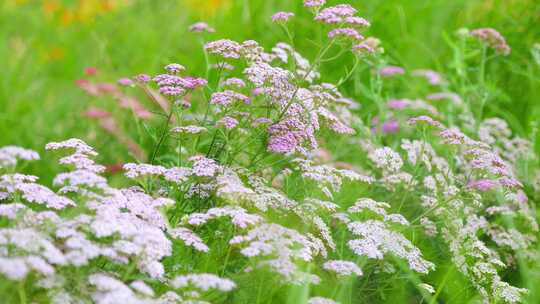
[(164, 134), (22, 293), (322, 52)]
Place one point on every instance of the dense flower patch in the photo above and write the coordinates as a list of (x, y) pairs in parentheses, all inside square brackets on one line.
[(243, 171)]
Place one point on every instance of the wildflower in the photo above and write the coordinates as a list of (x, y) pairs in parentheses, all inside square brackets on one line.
[(177, 174), (227, 122), (142, 288), (224, 48), (234, 82), (335, 14), (446, 95), (363, 48), (80, 178), (174, 85), (14, 269), (342, 268), (386, 159), (369, 204), (347, 33), (90, 71), (200, 27), (222, 66), (193, 82), (334, 122), (172, 91), (286, 53), (453, 136), (228, 97), (143, 78), (492, 39), (424, 119), (376, 240), (389, 71), (432, 77), (390, 127), (239, 217), (314, 3), (189, 238), (189, 129), (142, 170), (204, 167), (110, 289), (284, 143), (356, 21), (261, 121), (125, 82), (203, 282), (174, 68), (398, 104), (282, 17), (482, 185), (10, 154), (369, 46)]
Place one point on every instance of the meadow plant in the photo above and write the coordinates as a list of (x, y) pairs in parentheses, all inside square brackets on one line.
[(249, 182)]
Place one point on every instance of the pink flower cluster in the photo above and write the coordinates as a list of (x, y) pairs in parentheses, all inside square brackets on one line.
[(282, 17), (493, 39)]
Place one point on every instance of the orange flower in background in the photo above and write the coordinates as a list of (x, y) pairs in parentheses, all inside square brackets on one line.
[(68, 12), (207, 7), (55, 53)]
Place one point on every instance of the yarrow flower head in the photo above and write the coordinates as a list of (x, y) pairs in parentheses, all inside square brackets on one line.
[(342, 268), (390, 126), (386, 159), (369, 46), (175, 85), (203, 282), (398, 104), (125, 82), (483, 185), (335, 14), (142, 170), (192, 129), (228, 97), (174, 68), (424, 119), (453, 97), (224, 48), (316, 4), (143, 78), (228, 122), (493, 39), (432, 77), (282, 17), (389, 71), (347, 33), (10, 154), (201, 27), (234, 82)]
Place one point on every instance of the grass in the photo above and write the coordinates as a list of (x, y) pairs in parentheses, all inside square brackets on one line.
[(41, 57)]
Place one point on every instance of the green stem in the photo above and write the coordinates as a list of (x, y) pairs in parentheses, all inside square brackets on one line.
[(164, 133), (441, 287), (259, 292), (22, 293), (481, 81)]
